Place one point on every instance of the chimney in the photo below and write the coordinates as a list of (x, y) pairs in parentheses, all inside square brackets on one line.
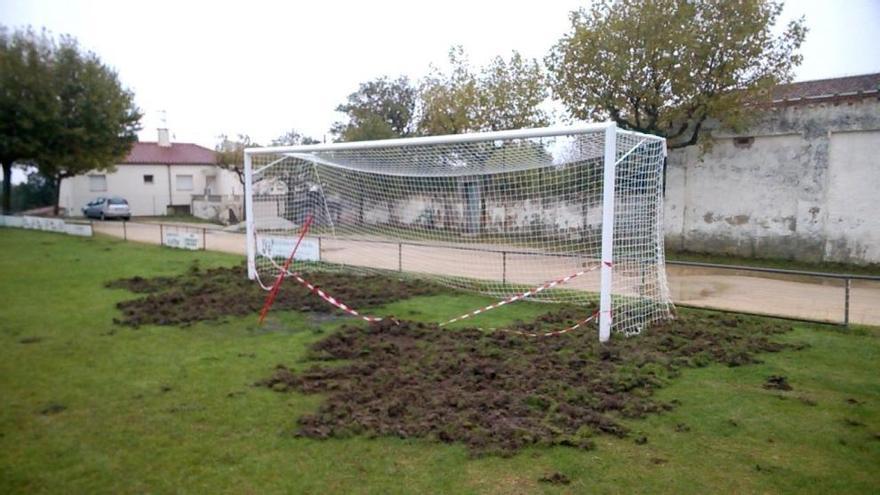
[(164, 140)]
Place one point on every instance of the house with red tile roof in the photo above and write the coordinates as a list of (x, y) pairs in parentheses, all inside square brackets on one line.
[(161, 178)]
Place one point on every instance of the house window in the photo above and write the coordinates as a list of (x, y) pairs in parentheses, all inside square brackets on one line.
[(97, 183), (184, 182), (148, 179)]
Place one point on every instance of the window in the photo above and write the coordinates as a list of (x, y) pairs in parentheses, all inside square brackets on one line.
[(184, 182), (97, 183), (148, 179), (117, 201)]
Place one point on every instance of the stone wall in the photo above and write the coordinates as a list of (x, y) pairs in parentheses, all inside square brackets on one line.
[(802, 183), (222, 209)]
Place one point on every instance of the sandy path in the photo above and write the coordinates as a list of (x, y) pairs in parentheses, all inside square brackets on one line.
[(791, 296)]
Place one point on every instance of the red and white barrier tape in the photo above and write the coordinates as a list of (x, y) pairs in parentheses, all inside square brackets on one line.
[(517, 297), (332, 300), (344, 307), (553, 333), (273, 293)]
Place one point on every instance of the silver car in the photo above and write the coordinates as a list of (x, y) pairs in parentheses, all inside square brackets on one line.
[(103, 208)]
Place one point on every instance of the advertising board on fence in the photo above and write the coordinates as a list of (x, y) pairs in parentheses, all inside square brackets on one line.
[(281, 247), (80, 229), (46, 224), (181, 240)]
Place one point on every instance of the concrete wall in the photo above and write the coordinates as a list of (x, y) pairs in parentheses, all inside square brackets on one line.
[(804, 187), (146, 198), (220, 209)]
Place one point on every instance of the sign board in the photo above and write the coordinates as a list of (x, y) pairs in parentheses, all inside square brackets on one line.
[(80, 229), (46, 225), (181, 240), (281, 247)]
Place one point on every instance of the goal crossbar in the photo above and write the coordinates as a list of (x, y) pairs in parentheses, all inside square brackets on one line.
[(471, 137)]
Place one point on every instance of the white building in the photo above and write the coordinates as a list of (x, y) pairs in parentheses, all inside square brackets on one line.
[(160, 178), (800, 183)]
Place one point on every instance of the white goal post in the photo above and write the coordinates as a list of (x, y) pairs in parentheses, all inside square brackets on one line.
[(559, 214)]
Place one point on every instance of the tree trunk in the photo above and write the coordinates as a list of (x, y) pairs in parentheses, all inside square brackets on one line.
[(57, 179), (7, 185)]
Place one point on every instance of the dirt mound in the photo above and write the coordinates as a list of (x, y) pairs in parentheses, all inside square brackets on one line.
[(777, 382), (214, 293), (497, 392)]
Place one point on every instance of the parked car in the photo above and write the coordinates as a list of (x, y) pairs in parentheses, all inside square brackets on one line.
[(113, 207)]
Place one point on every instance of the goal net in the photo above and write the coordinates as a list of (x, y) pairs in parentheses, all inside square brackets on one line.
[(564, 215)]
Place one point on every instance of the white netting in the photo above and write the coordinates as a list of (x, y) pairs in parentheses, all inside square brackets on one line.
[(493, 216)]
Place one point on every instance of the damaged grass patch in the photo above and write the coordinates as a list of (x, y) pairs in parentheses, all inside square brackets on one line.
[(497, 392), (201, 295)]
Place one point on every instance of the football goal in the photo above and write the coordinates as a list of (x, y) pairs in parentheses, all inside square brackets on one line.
[(559, 214)]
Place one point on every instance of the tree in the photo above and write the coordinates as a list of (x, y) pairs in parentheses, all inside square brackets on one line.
[(25, 100), (94, 120), (449, 99), (293, 138), (230, 153), (35, 192), (379, 109), (510, 94), (665, 67), (506, 94)]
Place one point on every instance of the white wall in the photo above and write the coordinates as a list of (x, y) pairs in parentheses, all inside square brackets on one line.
[(128, 182), (852, 223), (805, 188)]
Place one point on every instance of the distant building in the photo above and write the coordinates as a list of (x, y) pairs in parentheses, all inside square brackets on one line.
[(801, 183), (161, 178)]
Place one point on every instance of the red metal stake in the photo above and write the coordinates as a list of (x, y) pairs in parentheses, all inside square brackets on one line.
[(273, 293)]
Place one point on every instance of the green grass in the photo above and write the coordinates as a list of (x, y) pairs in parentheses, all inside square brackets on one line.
[(784, 264), (161, 409)]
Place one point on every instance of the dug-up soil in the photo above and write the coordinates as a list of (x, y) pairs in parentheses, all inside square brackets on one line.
[(497, 392), (211, 294)]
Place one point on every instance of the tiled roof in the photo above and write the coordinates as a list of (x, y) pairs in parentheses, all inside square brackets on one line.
[(827, 89), (176, 154)]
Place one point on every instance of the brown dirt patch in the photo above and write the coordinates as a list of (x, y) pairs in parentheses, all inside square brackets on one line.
[(555, 479), (498, 392), (52, 408), (201, 295), (777, 382)]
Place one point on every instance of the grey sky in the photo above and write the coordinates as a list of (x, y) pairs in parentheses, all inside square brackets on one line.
[(265, 67)]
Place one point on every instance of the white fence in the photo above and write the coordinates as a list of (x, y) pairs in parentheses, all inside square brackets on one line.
[(46, 224)]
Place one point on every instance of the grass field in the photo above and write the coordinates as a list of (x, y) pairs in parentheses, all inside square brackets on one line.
[(87, 406)]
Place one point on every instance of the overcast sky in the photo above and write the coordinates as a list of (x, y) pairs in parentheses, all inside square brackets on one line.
[(264, 67)]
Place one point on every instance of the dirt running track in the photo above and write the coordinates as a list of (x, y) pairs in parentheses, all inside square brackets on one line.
[(781, 295)]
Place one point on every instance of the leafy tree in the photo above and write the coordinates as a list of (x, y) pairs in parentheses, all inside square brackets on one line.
[(449, 99), (25, 100), (94, 121), (506, 94), (379, 109), (667, 66), (511, 93), (293, 138), (230, 153), (35, 192)]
